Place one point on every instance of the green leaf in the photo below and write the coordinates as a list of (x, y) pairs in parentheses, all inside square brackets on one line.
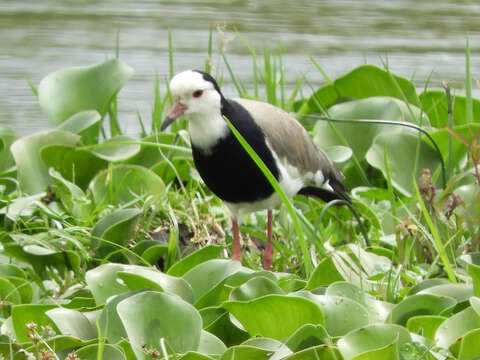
[(175, 320), (140, 277), (210, 344), (255, 288), (422, 304), (457, 326), (102, 282), (206, 253), (72, 323), (71, 90), (110, 324), (125, 183), (91, 352), (86, 124), (425, 325), (341, 314), (31, 171), (7, 137), (434, 103), (117, 227), (307, 336), (372, 337), (207, 275), (120, 152), (320, 352), (469, 348), (217, 321), (275, 316), (402, 163), (362, 82), (245, 352), (30, 313), (325, 273), (76, 166)]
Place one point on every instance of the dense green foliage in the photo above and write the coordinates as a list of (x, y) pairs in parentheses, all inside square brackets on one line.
[(112, 248)]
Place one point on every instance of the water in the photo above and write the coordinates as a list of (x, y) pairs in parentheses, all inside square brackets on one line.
[(419, 39)]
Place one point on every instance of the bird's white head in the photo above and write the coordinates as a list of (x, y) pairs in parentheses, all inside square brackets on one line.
[(196, 95)]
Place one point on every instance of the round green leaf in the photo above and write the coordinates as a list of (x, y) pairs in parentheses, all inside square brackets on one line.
[(422, 304), (425, 325), (86, 124), (184, 265), (90, 352), (71, 90), (174, 320), (275, 316), (400, 149), (372, 337), (72, 323), (117, 227), (254, 288), (210, 344), (102, 282), (457, 326), (31, 171), (114, 153), (126, 183)]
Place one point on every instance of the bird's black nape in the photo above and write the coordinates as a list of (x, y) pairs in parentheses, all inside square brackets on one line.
[(210, 78)]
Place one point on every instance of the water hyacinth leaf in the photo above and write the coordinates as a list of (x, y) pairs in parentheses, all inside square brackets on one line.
[(460, 292), (421, 304), (275, 316), (32, 173), (7, 137), (456, 326), (102, 282), (178, 322), (325, 273), (425, 325), (12, 270), (341, 314), (321, 352), (72, 90), (23, 206), (307, 336), (110, 324), (91, 352), (401, 163), (27, 314), (125, 183), (140, 277), (206, 253), (255, 288), (474, 271), (346, 134), (388, 352), (192, 355), (425, 284), (86, 124), (246, 352), (72, 323), (460, 150), (207, 275), (339, 154), (372, 337), (22, 286), (9, 292), (117, 227), (108, 151), (362, 82), (72, 197), (469, 348), (210, 344), (58, 258), (217, 321), (76, 166), (434, 103)]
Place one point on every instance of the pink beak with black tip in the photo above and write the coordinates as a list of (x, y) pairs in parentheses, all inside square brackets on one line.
[(175, 112)]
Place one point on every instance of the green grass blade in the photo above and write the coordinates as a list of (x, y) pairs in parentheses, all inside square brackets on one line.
[(276, 186), (468, 85), (436, 236)]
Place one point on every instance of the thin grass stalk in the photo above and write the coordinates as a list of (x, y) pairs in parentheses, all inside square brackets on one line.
[(276, 186), (171, 70), (436, 237), (390, 122), (157, 106), (240, 89), (468, 85), (450, 125), (208, 62), (319, 68)]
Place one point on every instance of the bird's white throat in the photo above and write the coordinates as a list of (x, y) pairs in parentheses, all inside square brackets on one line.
[(206, 131)]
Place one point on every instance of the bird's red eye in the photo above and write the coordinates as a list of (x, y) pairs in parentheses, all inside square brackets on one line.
[(198, 93)]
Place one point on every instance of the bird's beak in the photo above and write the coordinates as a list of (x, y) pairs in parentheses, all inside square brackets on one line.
[(175, 112)]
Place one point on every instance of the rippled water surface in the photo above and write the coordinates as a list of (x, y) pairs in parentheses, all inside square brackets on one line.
[(418, 39)]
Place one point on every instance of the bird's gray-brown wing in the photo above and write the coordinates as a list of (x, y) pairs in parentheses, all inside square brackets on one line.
[(291, 141)]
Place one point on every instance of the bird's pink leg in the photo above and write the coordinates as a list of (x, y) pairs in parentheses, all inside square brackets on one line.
[(268, 252), (237, 249)]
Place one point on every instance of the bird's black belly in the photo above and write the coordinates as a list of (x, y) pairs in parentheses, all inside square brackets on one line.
[(228, 170)]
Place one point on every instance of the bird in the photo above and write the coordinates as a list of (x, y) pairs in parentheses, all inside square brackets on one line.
[(284, 145)]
